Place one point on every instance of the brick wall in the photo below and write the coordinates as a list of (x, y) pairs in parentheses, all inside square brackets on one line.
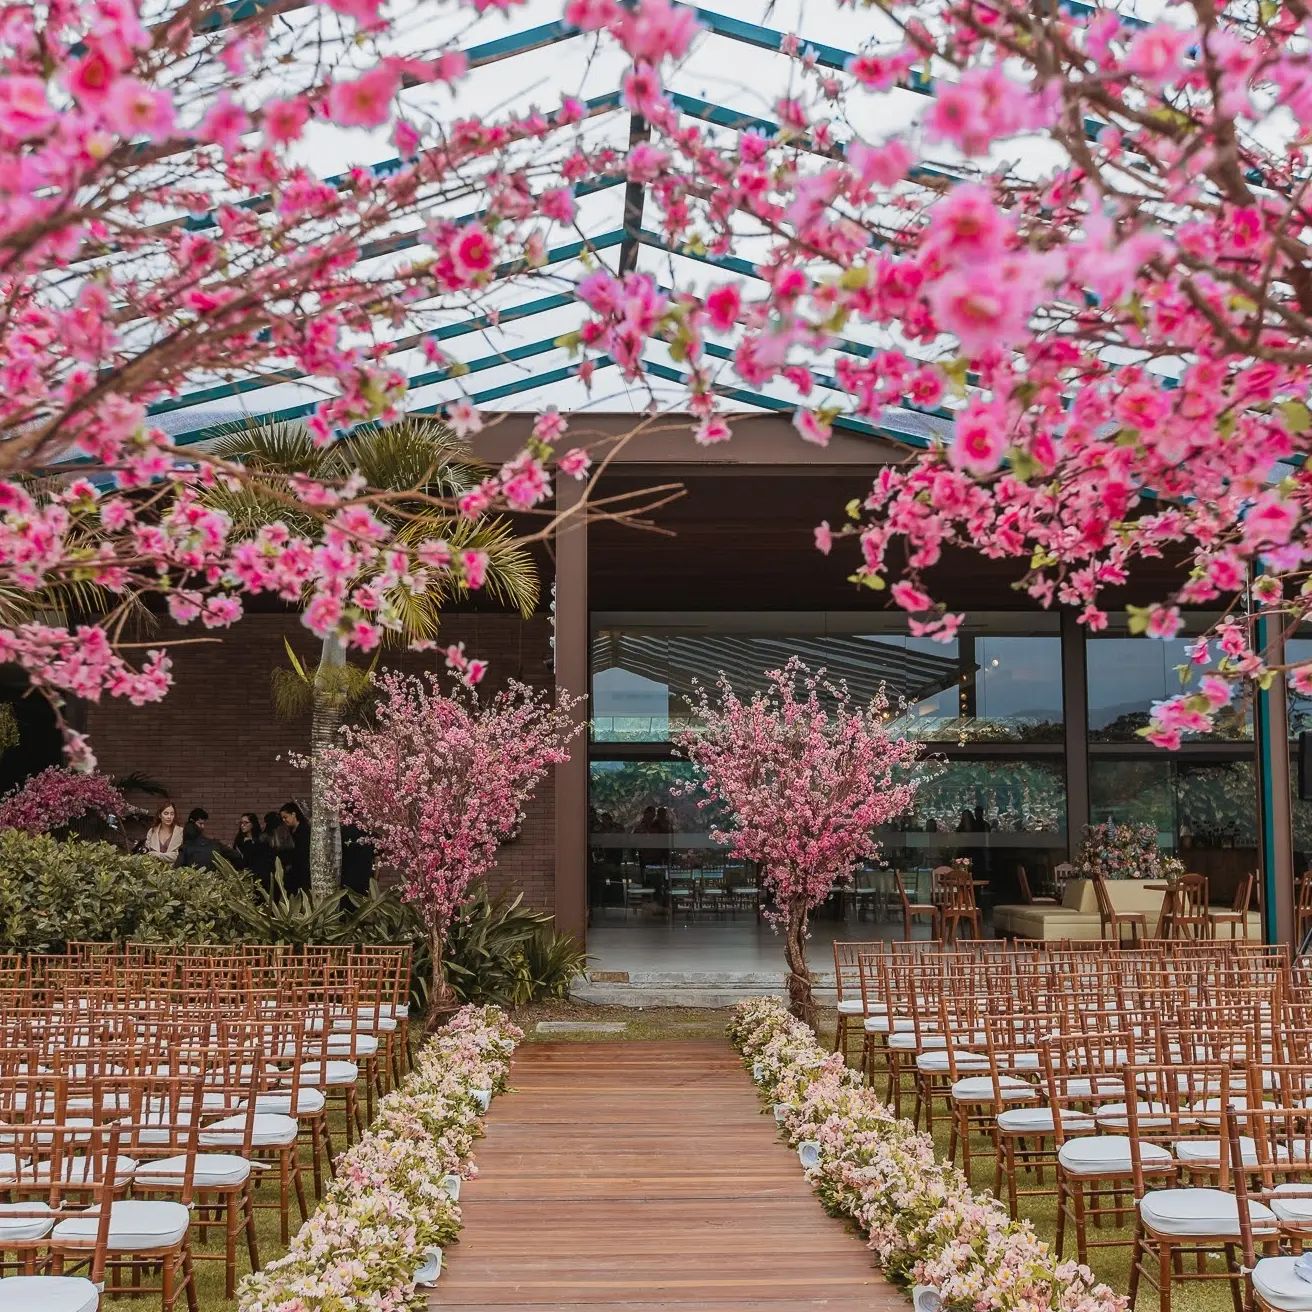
[(216, 742)]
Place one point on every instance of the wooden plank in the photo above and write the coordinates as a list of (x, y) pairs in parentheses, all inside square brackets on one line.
[(638, 1177)]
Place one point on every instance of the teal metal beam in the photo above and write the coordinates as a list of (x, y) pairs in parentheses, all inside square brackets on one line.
[(775, 404), (556, 256)]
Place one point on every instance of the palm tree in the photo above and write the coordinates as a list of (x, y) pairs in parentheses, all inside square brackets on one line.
[(419, 456)]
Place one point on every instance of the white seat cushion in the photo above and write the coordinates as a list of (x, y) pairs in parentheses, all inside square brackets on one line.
[(851, 1007), (134, 1226), (1293, 1203), (1116, 1116), (937, 1061), (9, 1165), (883, 1024), (1038, 1120), (367, 1022), (78, 1170), (213, 1171), (979, 1088), (1109, 1154), (1207, 1152), (18, 1223), (309, 1102), (1199, 1212), (344, 1045), (47, 1294), (1280, 1286), (1100, 1086), (1239, 1101), (269, 1131), (338, 1073)]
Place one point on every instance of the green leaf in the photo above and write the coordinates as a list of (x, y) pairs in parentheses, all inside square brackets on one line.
[(1297, 417)]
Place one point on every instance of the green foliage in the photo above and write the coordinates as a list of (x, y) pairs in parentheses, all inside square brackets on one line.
[(497, 951), (500, 951), (53, 892)]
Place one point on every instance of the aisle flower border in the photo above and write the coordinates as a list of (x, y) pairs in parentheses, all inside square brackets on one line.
[(394, 1197), (927, 1227)]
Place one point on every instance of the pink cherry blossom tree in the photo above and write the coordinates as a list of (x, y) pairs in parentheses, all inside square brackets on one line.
[(805, 775), (1077, 241), (439, 780), (56, 797)]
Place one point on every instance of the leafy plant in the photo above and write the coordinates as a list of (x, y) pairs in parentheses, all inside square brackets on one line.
[(53, 892), (501, 951)]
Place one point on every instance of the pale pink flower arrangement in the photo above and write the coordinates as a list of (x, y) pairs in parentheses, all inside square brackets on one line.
[(924, 1223)]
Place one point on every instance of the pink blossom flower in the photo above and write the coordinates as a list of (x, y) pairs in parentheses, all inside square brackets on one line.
[(25, 111), (284, 120), (133, 109), (979, 440), (366, 101)]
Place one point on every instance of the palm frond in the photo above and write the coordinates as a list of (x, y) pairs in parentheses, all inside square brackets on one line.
[(512, 574), (418, 453)]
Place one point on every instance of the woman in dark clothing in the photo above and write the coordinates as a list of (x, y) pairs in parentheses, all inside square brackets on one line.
[(357, 861), (296, 861), (255, 852), (198, 851)]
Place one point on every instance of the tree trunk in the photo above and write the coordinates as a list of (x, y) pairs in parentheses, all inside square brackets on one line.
[(440, 995), (326, 719), (801, 999)]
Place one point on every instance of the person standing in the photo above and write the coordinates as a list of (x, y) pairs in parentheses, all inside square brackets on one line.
[(164, 837), (254, 849), (296, 862)]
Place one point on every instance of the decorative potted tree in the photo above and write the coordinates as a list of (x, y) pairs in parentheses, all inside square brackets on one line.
[(806, 775), (438, 781)]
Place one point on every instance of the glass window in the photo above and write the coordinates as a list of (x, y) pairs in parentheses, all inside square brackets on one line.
[(1000, 681), (1127, 674), (1205, 811)]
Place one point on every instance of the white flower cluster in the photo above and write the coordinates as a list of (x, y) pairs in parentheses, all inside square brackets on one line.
[(392, 1204), (927, 1227)]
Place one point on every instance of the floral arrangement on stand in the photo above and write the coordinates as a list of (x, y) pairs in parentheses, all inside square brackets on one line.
[(393, 1204), (1125, 851), (926, 1225), (54, 798)]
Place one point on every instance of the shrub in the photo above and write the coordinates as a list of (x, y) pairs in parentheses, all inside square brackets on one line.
[(53, 892)]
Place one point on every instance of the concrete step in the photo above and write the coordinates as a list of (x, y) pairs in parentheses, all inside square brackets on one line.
[(653, 988)]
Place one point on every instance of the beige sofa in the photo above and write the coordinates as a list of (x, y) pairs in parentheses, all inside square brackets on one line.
[(1077, 917)]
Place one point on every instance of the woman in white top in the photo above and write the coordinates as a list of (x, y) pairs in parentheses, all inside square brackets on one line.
[(164, 838)]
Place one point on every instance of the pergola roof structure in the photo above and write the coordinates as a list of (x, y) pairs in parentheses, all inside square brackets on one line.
[(507, 355)]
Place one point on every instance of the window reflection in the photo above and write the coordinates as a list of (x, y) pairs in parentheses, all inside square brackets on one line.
[(1127, 674), (1000, 681), (1205, 811)]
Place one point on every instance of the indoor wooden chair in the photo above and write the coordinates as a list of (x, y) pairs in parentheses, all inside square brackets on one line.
[(958, 907), (1236, 918), (1115, 922), (1191, 916), (1027, 894), (914, 911)]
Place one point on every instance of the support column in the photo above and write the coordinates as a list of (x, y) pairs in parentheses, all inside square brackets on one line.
[(1275, 827), (571, 653), (1075, 717)]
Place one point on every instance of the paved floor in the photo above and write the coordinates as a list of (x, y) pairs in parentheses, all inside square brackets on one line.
[(741, 945), (636, 1177)]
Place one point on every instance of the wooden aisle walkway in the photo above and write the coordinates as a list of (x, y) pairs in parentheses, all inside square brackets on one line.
[(643, 1176)]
